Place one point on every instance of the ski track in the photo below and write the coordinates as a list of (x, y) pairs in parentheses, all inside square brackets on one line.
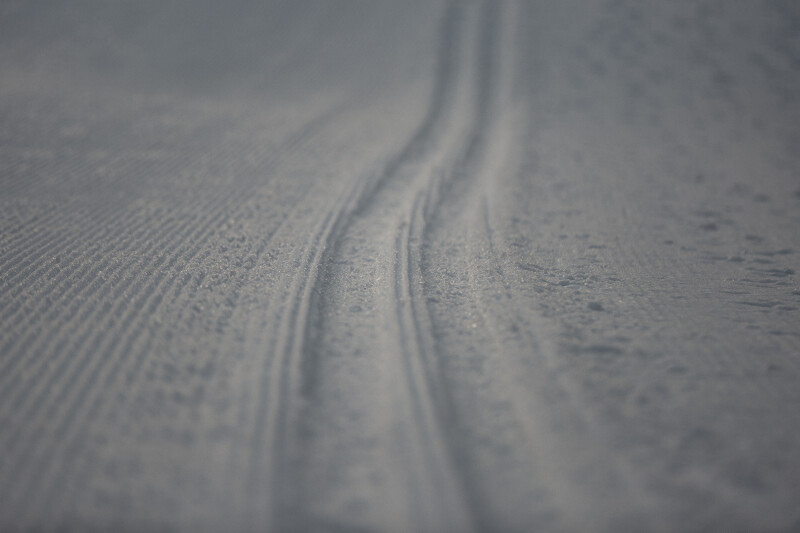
[(279, 396), (385, 361), (435, 478), (427, 390)]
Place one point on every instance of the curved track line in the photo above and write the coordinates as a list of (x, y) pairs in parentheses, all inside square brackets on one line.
[(431, 463), (282, 374), (440, 489)]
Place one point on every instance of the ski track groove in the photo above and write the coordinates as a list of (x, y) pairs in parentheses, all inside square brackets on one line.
[(438, 394), (277, 397), (421, 376), (92, 281), (292, 335), (283, 372)]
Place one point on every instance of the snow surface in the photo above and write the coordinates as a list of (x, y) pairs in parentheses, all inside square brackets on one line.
[(399, 266)]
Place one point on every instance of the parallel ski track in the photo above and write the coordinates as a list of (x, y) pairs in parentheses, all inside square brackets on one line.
[(279, 385), (436, 399), (281, 376), (426, 390), (279, 395), (422, 378), (79, 386)]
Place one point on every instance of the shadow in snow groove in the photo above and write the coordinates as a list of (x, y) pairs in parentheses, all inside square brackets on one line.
[(408, 191), (286, 366)]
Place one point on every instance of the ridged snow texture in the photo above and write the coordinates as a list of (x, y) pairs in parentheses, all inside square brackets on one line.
[(399, 266)]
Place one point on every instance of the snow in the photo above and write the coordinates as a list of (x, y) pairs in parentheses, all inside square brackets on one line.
[(409, 266)]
